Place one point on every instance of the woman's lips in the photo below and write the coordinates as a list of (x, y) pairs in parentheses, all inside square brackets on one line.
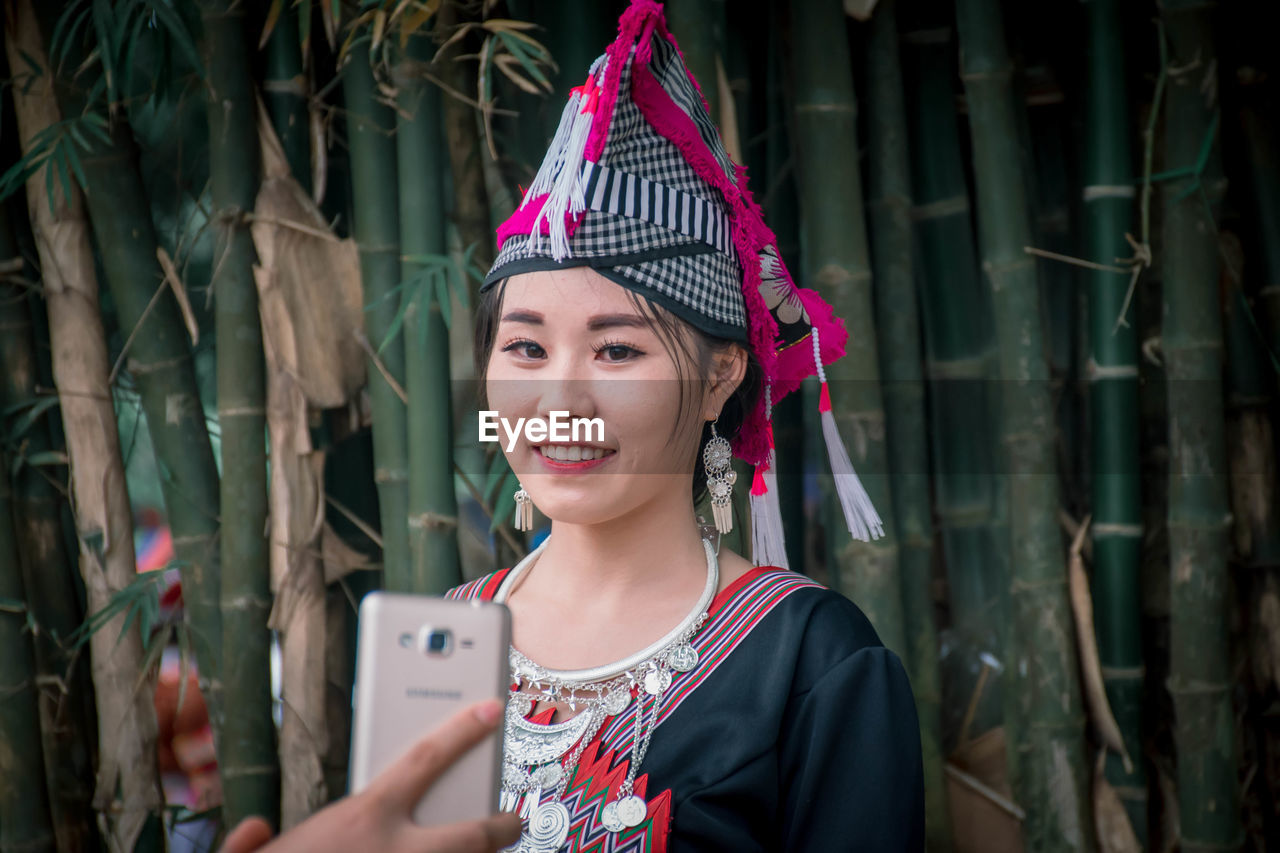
[(570, 464)]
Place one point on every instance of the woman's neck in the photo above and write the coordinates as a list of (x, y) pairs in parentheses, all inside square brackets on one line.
[(656, 549)]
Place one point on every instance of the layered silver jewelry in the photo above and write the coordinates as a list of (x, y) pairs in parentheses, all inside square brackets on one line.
[(539, 757), (524, 510), (717, 461)]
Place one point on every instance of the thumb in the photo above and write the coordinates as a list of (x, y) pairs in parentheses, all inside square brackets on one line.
[(250, 834)]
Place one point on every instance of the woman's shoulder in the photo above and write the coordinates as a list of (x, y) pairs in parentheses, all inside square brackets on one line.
[(482, 588), (819, 626)]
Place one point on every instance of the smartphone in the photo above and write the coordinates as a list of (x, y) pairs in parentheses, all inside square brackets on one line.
[(418, 660)]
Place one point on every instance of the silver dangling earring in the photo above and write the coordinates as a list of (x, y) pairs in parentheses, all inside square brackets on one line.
[(716, 459), (524, 510)]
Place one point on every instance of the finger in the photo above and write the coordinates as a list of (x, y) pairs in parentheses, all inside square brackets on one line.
[(404, 782), (477, 836), (250, 834)]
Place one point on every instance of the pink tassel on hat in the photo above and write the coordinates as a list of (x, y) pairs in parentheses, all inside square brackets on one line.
[(768, 545), (859, 513)]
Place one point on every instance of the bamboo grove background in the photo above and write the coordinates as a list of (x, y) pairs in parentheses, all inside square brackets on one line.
[(246, 237)]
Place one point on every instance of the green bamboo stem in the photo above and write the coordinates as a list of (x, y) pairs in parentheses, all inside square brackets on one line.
[(1200, 667), (780, 207), (26, 825), (65, 689), (957, 346), (1116, 498), (1043, 693), (376, 228), (127, 784), (248, 761), (159, 358), (1261, 125), (285, 92), (433, 505), (898, 322), (836, 261), (699, 29), (470, 198)]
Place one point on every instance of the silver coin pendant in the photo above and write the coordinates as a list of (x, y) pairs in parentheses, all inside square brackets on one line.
[(609, 818), (632, 810), (657, 681), (549, 775), (616, 702), (683, 658)]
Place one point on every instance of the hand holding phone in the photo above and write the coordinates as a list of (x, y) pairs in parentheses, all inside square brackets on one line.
[(420, 659), (380, 817)]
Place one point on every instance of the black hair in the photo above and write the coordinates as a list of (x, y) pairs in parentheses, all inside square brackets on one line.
[(684, 343)]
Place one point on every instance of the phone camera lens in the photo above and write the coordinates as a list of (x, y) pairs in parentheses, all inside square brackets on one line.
[(436, 641)]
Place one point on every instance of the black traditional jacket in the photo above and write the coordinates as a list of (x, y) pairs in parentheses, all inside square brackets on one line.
[(796, 731)]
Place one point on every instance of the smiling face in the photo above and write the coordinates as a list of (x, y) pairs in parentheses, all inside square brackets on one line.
[(571, 340)]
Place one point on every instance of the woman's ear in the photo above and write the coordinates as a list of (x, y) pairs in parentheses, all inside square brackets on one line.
[(728, 367)]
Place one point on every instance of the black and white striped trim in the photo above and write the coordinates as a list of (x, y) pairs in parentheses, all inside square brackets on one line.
[(624, 194)]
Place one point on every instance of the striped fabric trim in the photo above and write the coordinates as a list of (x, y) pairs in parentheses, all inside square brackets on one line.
[(726, 628), (732, 617), (610, 190)]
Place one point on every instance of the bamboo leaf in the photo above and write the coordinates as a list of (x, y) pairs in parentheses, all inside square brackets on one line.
[(74, 159), (102, 29), (35, 408), (46, 458), (442, 297), (516, 50), (412, 23), (505, 506), (273, 17), (495, 25), (64, 32), (507, 65), (178, 32)]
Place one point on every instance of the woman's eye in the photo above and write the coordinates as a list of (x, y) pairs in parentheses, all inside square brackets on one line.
[(527, 349), (618, 352)]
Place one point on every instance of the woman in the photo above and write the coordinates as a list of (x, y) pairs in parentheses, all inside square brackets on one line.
[(669, 694)]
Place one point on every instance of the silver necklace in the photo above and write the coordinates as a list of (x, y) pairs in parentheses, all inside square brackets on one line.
[(535, 756)]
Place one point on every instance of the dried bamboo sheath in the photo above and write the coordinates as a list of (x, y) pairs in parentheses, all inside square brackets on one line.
[(127, 783)]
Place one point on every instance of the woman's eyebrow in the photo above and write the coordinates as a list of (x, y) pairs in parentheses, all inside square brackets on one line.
[(533, 318), (609, 321)]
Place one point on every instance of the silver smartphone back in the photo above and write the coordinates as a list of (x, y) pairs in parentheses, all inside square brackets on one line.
[(418, 660)]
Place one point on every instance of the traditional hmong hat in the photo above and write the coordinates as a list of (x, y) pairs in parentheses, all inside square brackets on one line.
[(637, 185)]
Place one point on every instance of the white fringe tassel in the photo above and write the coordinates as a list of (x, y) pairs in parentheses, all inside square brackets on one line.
[(560, 175), (859, 514), (768, 544)]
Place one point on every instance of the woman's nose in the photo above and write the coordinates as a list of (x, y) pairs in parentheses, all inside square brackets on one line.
[(565, 394)]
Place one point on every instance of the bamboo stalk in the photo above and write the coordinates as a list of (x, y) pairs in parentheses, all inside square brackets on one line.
[(376, 228), (898, 322), (247, 757), (285, 91), (433, 504), (1043, 694), (1200, 669), (159, 358), (957, 346), (699, 29), (49, 575), (835, 259), (128, 792), (470, 198), (25, 820), (1116, 497)]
